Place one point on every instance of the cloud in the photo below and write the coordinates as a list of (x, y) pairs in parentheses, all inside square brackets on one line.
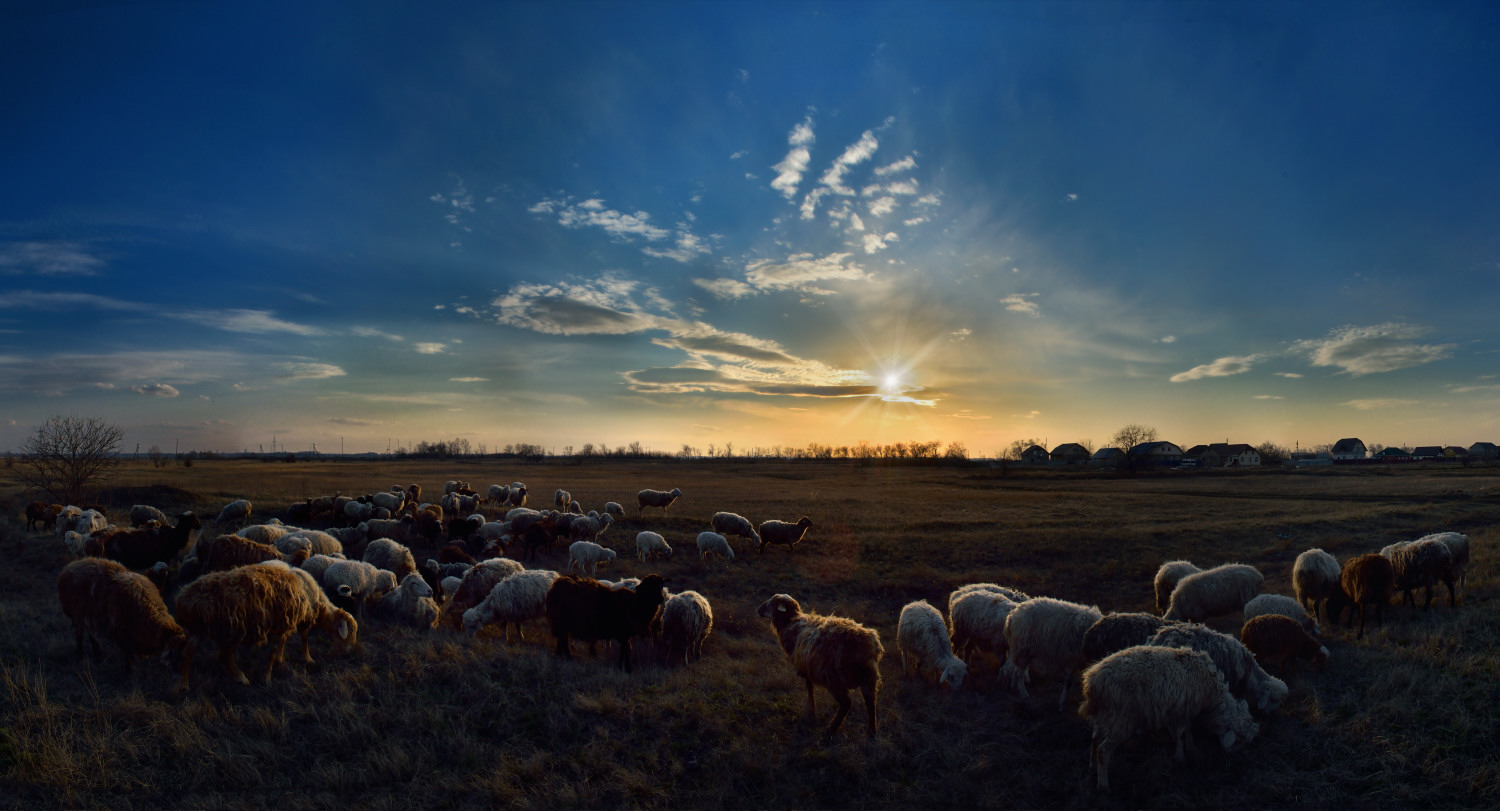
[(959, 334), (352, 421), (1360, 351), (600, 307), (37, 300), (371, 332), (966, 414), (237, 320), (801, 271), (789, 172), (914, 221), (725, 288), (1289, 375), (430, 348), (856, 153), (468, 379), (1167, 339), (875, 242), (688, 247), (1223, 367), (1269, 397), (1378, 403), (302, 370), (155, 390), (592, 213), (57, 375), (882, 206), (1021, 303), (248, 321), (737, 155), (48, 259), (905, 164)]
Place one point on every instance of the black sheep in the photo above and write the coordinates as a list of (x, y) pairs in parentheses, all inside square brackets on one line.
[(584, 608)]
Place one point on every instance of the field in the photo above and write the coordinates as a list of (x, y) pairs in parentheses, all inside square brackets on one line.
[(1403, 718)]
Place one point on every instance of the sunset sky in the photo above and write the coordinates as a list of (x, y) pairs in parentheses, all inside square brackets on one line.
[(758, 223)]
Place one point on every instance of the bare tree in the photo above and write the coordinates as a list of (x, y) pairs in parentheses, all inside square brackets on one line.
[(69, 453), (1015, 449), (1132, 435)]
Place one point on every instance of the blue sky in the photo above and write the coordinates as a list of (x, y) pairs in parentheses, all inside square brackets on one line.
[(765, 224)]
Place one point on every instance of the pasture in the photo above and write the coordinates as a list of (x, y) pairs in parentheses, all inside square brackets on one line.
[(1404, 718)]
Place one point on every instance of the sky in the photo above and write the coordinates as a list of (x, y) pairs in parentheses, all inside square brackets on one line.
[(360, 226)]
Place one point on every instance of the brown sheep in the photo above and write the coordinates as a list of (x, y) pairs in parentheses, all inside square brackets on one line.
[(103, 598), (250, 605), (835, 652), (1420, 564), (1278, 640), (232, 551), (583, 607), (783, 533), (41, 513), (474, 587), (1364, 580)]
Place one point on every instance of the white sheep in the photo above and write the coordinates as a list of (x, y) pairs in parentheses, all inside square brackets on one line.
[(977, 620), (499, 494), (727, 523), (1167, 578), (587, 528), (783, 533), (410, 603), (1045, 635), (393, 501), (613, 508), (234, 512), (1280, 604), (319, 542), (835, 652), (1421, 564), (561, 499), (922, 638), (357, 581), (1146, 688), (474, 586), (289, 543), (1458, 550), (656, 498), (625, 583), (385, 553), (359, 511), (317, 564), (714, 543), (517, 494), (588, 554), (141, 513), (514, 600), (1245, 677), (686, 620), (77, 542), (1214, 592), (451, 584), (649, 544), (1014, 595), (1315, 578)]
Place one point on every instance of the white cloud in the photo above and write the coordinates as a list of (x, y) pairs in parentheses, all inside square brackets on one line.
[(1168, 339), (1269, 397), (1290, 375), (1379, 403), (857, 152), (789, 172), (371, 332), (352, 421), (855, 223), (933, 199), (875, 242), (688, 247), (429, 348), (882, 206), (310, 371), (468, 379), (1223, 367), (905, 187), (914, 221), (725, 288), (48, 259), (1022, 303), (155, 390), (737, 155), (801, 271), (249, 321), (960, 334), (905, 164), (1369, 350)]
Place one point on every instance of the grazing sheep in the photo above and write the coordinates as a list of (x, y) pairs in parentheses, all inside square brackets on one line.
[(1420, 564), (536, 535), (514, 600), (77, 543), (289, 543), (1166, 581), (475, 586), (1214, 592), (352, 538), (39, 513), (714, 543), (651, 544), (613, 508), (1046, 635), (410, 603), (234, 512), (838, 653), (498, 494), (631, 583), (318, 542), (582, 608), (140, 548), (1118, 631), (450, 585), (231, 551), (588, 554), (586, 528), (1146, 688), (686, 620), (561, 499), (385, 553), (656, 498), (1458, 550), (393, 501), (1315, 578), (357, 582), (337, 623), (317, 564), (139, 515), (1280, 640), (783, 533), (977, 618), (1014, 595), (104, 599), (726, 523), (251, 605), (1365, 580), (263, 533), (1246, 678), (1263, 604), (922, 638)]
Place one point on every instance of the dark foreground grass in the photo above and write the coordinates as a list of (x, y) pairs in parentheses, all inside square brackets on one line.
[(1403, 718)]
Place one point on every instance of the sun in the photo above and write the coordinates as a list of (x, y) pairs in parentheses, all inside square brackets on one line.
[(892, 382)]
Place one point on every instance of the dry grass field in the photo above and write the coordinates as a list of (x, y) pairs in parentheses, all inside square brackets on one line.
[(1405, 718)]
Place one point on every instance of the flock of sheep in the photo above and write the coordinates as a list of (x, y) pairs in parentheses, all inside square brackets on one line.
[(1140, 672)]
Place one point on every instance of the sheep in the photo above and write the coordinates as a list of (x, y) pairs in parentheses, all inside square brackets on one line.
[(783, 533), (450, 585), (386, 554), (358, 582), (390, 500), (561, 499), (89, 521), (613, 508), (353, 538), (582, 608), (498, 494), (77, 543), (39, 513), (1118, 631), (726, 523), (289, 544), (1281, 640), (922, 638), (102, 598), (358, 511), (1145, 688), (1458, 550), (317, 564), (252, 605), (1214, 592), (714, 543), (656, 498), (263, 533), (476, 584), (63, 520), (1419, 564), (140, 514), (1046, 635), (517, 494), (588, 554), (401, 529), (1365, 580), (1315, 578), (650, 544), (977, 622), (410, 603), (1246, 678), (318, 542), (536, 534), (234, 512), (1263, 604), (140, 548), (584, 528), (330, 619), (838, 653), (512, 601), (231, 551), (1014, 595), (1166, 581), (686, 621), (631, 583)]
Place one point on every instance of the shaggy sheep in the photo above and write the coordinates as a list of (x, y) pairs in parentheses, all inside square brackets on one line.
[(783, 533), (1118, 631), (358, 511), (77, 543), (517, 494), (1014, 595), (1280, 640), (139, 515), (1214, 592), (317, 564), (1420, 564), (389, 500), (231, 551), (289, 543), (1141, 689), (922, 638), (977, 619), (386, 554), (410, 603), (585, 528), (450, 584), (1315, 578), (63, 520), (263, 533), (1166, 581), (337, 623), (40, 513), (838, 653), (656, 498), (686, 620), (726, 523), (613, 508), (588, 554), (623, 583), (237, 512), (104, 599), (561, 499), (514, 600), (650, 544), (251, 605), (140, 548), (318, 542), (714, 543), (1458, 550), (1046, 635), (475, 586), (498, 494), (582, 608), (357, 582), (1365, 580), (1245, 677), (1263, 604)]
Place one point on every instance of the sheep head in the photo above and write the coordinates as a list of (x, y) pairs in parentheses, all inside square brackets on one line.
[(780, 609)]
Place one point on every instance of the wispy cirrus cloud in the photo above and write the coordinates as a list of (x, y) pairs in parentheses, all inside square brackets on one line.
[(1223, 367), (791, 168), (1022, 303), (1358, 351), (371, 332), (906, 164), (802, 272), (726, 288), (48, 259), (1373, 403), (307, 370), (246, 321), (593, 213), (430, 348), (155, 390)]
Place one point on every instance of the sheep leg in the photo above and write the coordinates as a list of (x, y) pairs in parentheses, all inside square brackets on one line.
[(1099, 762), (226, 658), (188, 649), (563, 649), (306, 654), (276, 654), (624, 661), (1067, 676), (812, 706), (842, 697), (1452, 600), (869, 692)]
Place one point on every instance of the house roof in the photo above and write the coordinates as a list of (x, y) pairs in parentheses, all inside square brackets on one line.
[(1427, 450), (1034, 449), (1147, 448), (1070, 449), (1350, 445), (1200, 450), (1226, 449), (1107, 453), (1392, 451)]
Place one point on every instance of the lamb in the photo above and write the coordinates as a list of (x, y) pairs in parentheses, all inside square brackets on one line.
[(514, 600), (252, 605), (783, 533), (656, 498), (726, 523), (1046, 635), (977, 619), (582, 608), (838, 653), (651, 544), (686, 621), (330, 619), (357, 582), (1166, 581), (1246, 678), (386, 554), (475, 586), (1264, 604), (1419, 564), (561, 499), (1364, 580), (613, 508), (714, 543), (231, 551), (1214, 592), (1315, 578), (104, 599), (234, 512), (588, 554), (1280, 640), (1141, 689), (140, 548), (1118, 631), (139, 515), (922, 638), (410, 603)]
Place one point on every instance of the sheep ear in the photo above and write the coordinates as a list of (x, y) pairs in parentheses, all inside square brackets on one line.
[(1226, 739), (781, 608), (343, 629)]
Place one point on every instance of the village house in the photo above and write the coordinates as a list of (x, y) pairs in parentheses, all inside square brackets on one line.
[(1035, 455), (1348, 449), (1070, 453), (1155, 454)]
